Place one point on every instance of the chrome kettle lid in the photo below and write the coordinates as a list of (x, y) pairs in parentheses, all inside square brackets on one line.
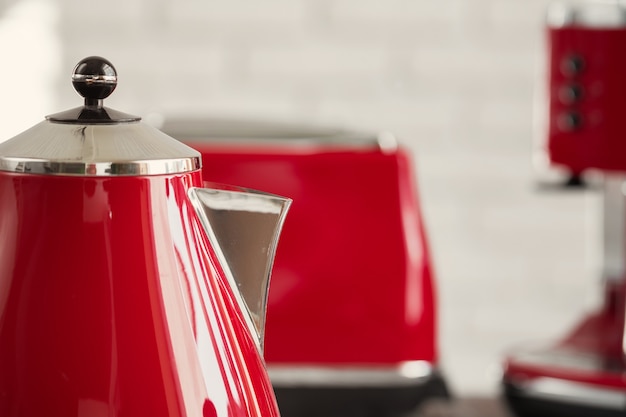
[(94, 140)]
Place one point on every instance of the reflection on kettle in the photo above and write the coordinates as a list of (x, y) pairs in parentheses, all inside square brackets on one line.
[(117, 268), (243, 227)]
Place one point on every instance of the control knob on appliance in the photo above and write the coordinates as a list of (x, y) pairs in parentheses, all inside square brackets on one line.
[(572, 65), (570, 93), (569, 121)]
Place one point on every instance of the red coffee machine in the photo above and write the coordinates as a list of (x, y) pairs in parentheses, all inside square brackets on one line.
[(126, 287), (584, 373), (351, 327)]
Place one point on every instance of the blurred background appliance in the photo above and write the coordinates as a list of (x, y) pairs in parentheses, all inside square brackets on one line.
[(352, 312), (584, 373)]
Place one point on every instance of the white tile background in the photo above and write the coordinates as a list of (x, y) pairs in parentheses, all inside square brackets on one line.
[(453, 79)]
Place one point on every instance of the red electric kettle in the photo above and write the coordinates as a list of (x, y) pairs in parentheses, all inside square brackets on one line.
[(126, 288)]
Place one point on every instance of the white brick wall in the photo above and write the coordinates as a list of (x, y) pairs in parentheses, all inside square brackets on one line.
[(453, 78)]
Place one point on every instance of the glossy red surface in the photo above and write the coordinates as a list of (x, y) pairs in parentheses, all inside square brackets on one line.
[(592, 353), (598, 141), (352, 280), (108, 292)]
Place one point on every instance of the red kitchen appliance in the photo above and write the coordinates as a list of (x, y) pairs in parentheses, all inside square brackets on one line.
[(351, 326), (120, 275), (584, 373)]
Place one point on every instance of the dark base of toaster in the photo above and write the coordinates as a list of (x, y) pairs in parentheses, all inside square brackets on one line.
[(524, 405), (357, 401)]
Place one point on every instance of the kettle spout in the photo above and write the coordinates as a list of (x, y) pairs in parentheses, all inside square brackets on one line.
[(243, 227)]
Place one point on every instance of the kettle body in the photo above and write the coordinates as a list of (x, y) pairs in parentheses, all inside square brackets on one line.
[(117, 294), (99, 280)]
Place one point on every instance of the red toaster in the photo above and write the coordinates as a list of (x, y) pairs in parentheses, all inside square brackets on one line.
[(352, 315)]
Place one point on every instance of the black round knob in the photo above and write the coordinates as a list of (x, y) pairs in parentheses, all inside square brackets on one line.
[(94, 78), (572, 65), (570, 94), (569, 121)]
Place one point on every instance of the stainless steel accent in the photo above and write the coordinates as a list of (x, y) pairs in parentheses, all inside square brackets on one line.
[(121, 149), (387, 142), (589, 14), (613, 227), (581, 362), (250, 132), (301, 375), (573, 393), (243, 227), (95, 79), (171, 166), (614, 232)]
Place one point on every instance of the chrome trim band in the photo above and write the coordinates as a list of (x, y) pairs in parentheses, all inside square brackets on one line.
[(94, 79), (403, 374), (562, 358), (124, 168), (570, 392), (246, 133), (356, 143)]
